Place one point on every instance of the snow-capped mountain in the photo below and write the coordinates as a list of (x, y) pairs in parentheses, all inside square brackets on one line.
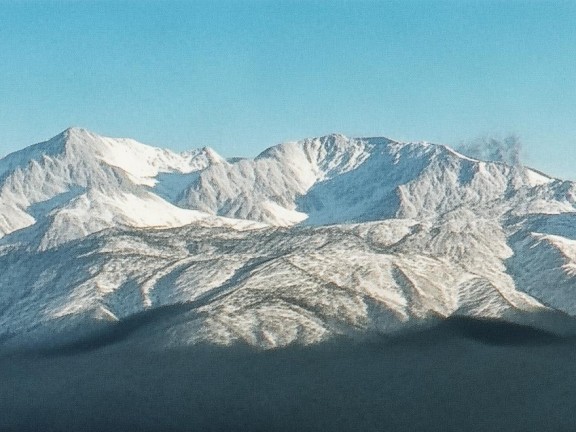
[(78, 183), (335, 179), (311, 239)]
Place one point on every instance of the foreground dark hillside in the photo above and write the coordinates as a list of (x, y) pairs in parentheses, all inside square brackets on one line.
[(460, 375)]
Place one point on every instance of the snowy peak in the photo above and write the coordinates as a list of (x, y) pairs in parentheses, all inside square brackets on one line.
[(211, 156), (140, 161), (90, 183), (336, 179), (268, 188), (73, 142), (327, 156), (78, 137)]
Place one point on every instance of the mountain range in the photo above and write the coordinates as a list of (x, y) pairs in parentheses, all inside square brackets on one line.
[(106, 239)]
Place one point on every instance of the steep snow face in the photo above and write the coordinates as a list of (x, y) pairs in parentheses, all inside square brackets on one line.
[(267, 187), (369, 192), (78, 183), (544, 259)]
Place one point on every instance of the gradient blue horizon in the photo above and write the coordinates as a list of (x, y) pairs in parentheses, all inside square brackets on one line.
[(240, 76)]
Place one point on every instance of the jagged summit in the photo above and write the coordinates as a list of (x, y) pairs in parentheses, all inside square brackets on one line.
[(211, 155), (79, 133)]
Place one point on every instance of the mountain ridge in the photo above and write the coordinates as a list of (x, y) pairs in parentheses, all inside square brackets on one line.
[(310, 240)]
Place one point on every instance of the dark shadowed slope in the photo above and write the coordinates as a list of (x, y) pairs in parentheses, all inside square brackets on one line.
[(459, 375)]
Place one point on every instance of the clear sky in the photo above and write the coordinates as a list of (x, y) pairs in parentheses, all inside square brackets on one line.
[(242, 75)]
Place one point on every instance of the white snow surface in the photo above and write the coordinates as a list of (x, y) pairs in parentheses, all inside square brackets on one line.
[(78, 183), (309, 240)]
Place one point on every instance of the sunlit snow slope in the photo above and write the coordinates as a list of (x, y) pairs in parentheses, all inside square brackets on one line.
[(311, 239), (78, 183)]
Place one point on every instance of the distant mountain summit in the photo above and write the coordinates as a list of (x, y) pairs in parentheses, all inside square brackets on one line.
[(78, 183), (311, 239), (334, 179)]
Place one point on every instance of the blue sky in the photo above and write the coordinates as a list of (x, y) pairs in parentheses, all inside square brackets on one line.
[(242, 75)]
